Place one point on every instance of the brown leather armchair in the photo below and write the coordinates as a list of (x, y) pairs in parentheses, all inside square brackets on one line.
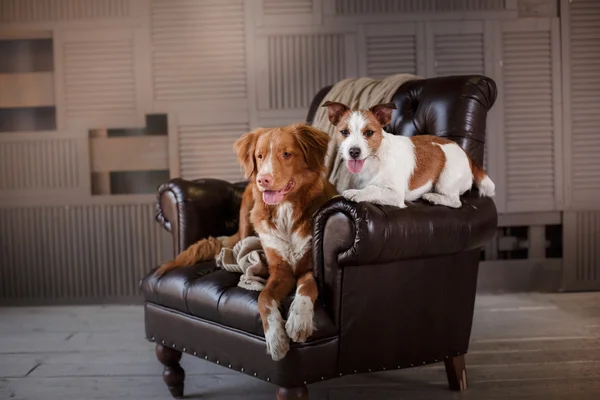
[(397, 286)]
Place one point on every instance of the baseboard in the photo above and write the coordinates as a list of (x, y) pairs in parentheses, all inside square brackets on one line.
[(526, 275)]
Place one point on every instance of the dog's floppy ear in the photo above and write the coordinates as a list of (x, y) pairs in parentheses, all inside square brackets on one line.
[(335, 110), (383, 112), (244, 148), (313, 143)]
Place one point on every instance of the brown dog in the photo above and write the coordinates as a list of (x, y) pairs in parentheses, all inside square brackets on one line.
[(285, 167)]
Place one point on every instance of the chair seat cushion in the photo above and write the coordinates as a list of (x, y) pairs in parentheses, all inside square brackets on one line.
[(212, 294)]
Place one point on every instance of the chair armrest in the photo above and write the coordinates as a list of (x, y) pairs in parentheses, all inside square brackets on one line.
[(193, 210), (359, 235), (371, 234)]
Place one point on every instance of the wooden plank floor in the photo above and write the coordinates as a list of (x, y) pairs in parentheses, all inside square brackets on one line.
[(526, 346)]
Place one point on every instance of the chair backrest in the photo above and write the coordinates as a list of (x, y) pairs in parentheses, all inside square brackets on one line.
[(454, 107)]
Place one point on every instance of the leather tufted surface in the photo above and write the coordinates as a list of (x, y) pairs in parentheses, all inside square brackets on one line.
[(380, 234), (192, 210), (212, 294)]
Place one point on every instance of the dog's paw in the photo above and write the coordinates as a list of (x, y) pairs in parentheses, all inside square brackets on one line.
[(355, 195), (278, 343), (441, 200), (300, 325)]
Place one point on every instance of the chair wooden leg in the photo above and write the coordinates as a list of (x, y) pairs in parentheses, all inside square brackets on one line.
[(298, 393), (456, 371), (173, 374)]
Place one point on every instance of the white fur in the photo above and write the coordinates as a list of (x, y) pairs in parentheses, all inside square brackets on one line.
[(455, 179), (290, 245), (487, 187), (419, 192), (267, 167), (386, 173), (300, 325), (356, 123), (275, 336)]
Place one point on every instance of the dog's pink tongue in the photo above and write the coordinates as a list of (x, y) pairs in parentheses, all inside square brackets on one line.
[(355, 166), (272, 196)]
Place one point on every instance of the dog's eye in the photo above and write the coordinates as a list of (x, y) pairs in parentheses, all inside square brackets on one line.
[(345, 132), (260, 157), (286, 155), (369, 133)]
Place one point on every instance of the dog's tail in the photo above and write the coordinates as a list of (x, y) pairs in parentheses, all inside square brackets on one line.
[(202, 250), (486, 186)]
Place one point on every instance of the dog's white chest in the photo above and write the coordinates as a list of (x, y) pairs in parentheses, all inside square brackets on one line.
[(289, 244)]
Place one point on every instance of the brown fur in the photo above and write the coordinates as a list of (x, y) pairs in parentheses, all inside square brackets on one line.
[(430, 160), (202, 250), (307, 147), (208, 248), (478, 172), (336, 111), (305, 166), (383, 113), (374, 125)]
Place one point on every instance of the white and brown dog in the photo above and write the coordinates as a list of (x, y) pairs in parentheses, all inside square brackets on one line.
[(390, 169)]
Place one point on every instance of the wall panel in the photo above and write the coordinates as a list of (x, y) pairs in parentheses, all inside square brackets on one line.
[(77, 252), (39, 164), (459, 48), (61, 10), (530, 136), (198, 50), (358, 7), (287, 7), (581, 253), (390, 50), (581, 45), (287, 13), (297, 66), (206, 151), (99, 78), (221, 67), (456, 48)]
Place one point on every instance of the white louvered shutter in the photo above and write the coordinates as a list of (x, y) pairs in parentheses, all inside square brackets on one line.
[(582, 78), (362, 7), (529, 86), (19, 11), (297, 67), (206, 151), (99, 78), (389, 50), (198, 50), (287, 7), (457, 48)]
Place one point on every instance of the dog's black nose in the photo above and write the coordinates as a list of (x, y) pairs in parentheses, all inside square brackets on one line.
[(354, 152)]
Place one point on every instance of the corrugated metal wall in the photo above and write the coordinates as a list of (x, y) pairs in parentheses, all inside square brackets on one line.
[(77, 253)]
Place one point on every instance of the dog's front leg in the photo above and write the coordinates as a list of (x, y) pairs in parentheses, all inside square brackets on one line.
[(300, 320), (376, 194), (280, 283)]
